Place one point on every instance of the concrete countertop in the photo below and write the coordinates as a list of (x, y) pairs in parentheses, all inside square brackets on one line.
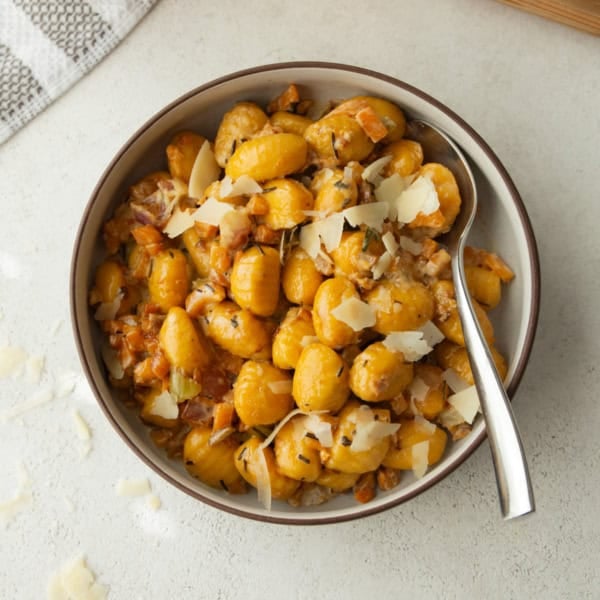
[(532, 89)]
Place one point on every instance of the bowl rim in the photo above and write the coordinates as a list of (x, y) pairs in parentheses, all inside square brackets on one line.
[(528, 340)]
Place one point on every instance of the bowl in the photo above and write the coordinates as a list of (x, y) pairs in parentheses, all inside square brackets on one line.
[(502, 225)]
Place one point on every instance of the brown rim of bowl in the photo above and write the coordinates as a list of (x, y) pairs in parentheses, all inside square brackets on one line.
[(362, 511)]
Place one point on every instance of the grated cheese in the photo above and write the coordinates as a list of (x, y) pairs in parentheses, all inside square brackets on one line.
[(243, 185), (35, 401), (107, 311), (212, 212), (111, 360), (11, 361), (420, 458), (455, 382), (382, 265), (165, 405), (154, 502), (419, 197), (330, 230), (372, 215), (390, 243), (431, 333), (22, 498), (355, 313), (65, 384), (408, 244), (34, 367), (180, 221), (132, 487), (75, 581), (466, 402), (320, 429), (418, 389), (410, 343), (204, 171), (81, 427), (389, 190), (369, 431), (281, 387), (425, 425), (372, 172), (310, 241), (263, 480)]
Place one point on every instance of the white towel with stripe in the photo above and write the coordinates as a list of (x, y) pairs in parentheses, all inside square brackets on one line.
[(47, 45)]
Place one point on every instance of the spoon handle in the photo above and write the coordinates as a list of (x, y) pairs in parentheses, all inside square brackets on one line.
[(512, 474)]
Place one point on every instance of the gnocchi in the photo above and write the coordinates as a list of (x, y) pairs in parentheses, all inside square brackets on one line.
[(287, 331)]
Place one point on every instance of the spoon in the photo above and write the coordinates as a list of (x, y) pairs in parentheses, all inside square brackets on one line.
[(512, 475)]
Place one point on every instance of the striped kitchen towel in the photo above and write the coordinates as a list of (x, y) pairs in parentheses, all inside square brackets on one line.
[(47, 45)]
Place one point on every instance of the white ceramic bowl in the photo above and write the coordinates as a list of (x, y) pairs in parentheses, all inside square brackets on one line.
[(502, 225)]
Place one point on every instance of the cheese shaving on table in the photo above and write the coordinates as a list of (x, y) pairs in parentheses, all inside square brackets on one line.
[(9, 509), (34, 367), (419, 197), (12, 360), (455, 382), (355, 313), (75, 581), (372, 172), (466, 403), (420, 458), (410, 343), (107, 311), (81, 427), (154, 502), (205, 170), (372, 215), (132, 487), (38, 399)]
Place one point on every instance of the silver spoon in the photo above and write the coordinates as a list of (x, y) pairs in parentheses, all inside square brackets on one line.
[(512, 475)]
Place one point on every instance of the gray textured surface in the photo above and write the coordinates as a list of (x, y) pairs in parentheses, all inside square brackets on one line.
[(531, 88)]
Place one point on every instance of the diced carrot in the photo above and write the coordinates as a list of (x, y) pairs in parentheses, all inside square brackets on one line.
[(257, 205), (372, 125), (145, 235)]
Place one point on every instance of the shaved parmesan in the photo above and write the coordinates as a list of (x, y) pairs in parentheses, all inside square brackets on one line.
[(75, 581), (111, 360), (280, 425), (180, 221), (418, 389), (431, 334), (410, 343), (154, 502), (372, 172), (132, 487), (348, 175), (34, 367), (425, 425), (11, 361), (455, 382), (281, 387), (320, 429), (369, 431), (108, 310), (225, 186), (212, 212), (420, 458), (408, 244), (389, 190), (330, 230), (164, 405), (263, 480), (466, 403), (243, 185), (310, 241), (419, 197), (65, 384), (22, 497), (450, 418), (81, 427), (204, 171), (382, 265), (355, 313), (372, 215), (390, 243)]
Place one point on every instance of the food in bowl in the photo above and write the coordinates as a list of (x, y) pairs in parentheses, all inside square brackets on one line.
[(278, 308)]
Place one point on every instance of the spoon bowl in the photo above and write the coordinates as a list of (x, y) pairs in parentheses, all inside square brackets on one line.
[(512, 475)]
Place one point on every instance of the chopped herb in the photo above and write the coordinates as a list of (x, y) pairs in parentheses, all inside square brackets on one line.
[(345, 441), (365, 363), (191, 462), (339, 373), (304, 459), (370, 236), (242, 453), (269, 189), (234, 322), (223, 485), (376, 417), (260, 248), (311, 435), (171, 254), (333, 145), (210, 287), (341, 185), (233, 146), (245, 465)]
